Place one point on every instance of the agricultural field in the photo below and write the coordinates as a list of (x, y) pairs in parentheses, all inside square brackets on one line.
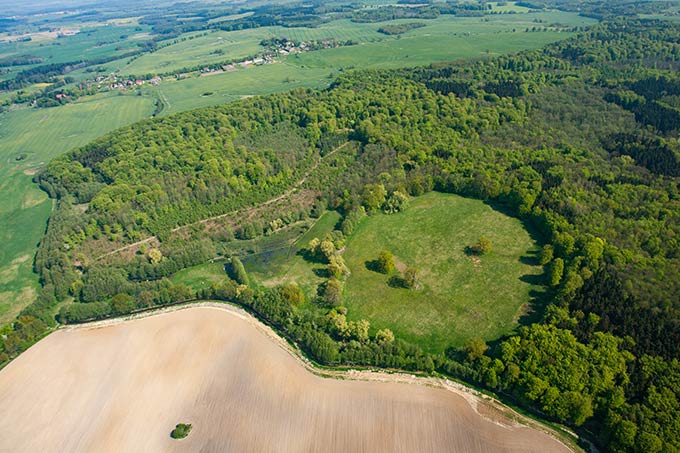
[(29, 139), (459, 295), (240, 387), (446, 38), (196, 49)]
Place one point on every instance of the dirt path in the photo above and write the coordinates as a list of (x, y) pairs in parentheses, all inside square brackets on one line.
[(280, 197)]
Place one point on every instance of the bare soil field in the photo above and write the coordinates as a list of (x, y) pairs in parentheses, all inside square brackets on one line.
[(123, 386)]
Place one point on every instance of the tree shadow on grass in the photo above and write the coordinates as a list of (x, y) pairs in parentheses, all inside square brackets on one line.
[(373, 266), (538, 301), (309, 256), (321, 272), (533, 279), (396, 281), (530, 258)]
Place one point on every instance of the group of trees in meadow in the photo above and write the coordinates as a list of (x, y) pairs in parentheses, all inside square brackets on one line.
[(550, 135)]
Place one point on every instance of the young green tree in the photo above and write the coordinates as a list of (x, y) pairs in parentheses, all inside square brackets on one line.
[(155, 256), (237, 272), (556, 271), (384, 336), (122, 303), (410, 278), (385, 262), (373, 197), (482, 246), (332, 291), (292, 293), (546, 254)]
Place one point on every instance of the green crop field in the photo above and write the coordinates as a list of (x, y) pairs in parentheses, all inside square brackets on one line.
[(447, 38), (459, 296), (28, 139), (202, 50)]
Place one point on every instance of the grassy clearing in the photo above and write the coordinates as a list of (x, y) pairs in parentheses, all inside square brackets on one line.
[(459, 296), (29, 139), (201, 276), (286, 265)]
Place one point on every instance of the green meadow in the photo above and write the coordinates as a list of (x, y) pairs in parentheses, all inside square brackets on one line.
[(459, 295)]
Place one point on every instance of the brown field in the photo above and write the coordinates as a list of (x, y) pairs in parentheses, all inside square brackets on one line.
[(124, 386)]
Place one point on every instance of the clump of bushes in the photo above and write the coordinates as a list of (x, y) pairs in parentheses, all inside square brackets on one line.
[(481, 247), (181, 431)]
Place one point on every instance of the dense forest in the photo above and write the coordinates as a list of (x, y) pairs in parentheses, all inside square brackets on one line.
[(579, 139)]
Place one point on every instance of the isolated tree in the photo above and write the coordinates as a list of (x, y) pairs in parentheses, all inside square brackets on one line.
[(237, 272), (332, 291), (482, 246), (155, 256), (410, 277), (385, 262)]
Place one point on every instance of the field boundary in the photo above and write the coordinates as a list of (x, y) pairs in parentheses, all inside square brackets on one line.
[(486, 406)]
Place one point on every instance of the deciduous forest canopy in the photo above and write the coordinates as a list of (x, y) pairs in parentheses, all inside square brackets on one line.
[(578, 139)]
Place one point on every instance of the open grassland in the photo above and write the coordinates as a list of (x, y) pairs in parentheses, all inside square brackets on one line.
[(459, 295), (28, 139), (91, 43), (231, 86), (124, 387)]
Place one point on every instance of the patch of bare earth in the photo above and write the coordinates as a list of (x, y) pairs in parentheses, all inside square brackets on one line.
[(124, 385)]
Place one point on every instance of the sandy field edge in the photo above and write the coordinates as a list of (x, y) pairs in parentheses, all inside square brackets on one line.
[(484, 405)]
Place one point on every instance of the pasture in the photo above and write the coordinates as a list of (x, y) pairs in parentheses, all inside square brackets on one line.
[(459, 295), (239, 386), (29, 139)]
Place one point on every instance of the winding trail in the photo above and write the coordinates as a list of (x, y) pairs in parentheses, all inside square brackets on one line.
[(246, 211)]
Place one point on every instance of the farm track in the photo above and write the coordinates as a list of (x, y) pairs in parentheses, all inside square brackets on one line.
[(247, 211)]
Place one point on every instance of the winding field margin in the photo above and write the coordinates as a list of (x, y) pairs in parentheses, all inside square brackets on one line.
[(484, 405)]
